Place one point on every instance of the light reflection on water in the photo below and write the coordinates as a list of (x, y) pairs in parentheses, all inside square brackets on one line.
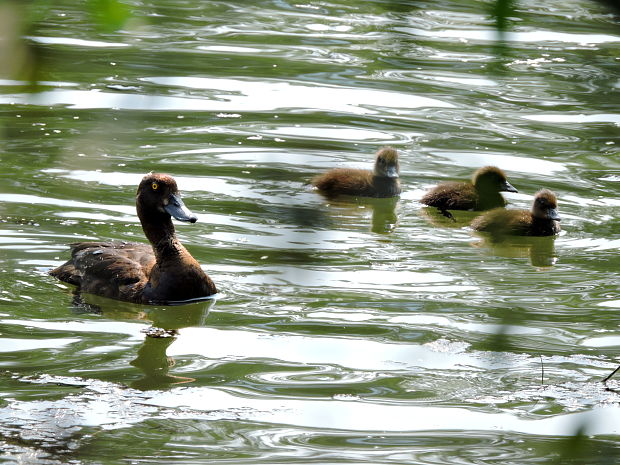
[(536, 37), (365, 416), (236, 96), (339, 319)]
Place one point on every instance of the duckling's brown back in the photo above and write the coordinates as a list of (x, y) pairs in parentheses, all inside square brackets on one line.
[(451, 196), (344, 181), (502, 221)]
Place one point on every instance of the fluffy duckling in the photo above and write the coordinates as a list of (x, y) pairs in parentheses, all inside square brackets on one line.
[(542, 220), (482, 193), (381, 182), (161, 272)]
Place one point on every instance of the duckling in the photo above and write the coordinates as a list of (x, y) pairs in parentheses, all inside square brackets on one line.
[(482, 193), (381, 182), (542, 220), (161, 272)]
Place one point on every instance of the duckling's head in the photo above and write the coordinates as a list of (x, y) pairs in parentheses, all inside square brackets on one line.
[(158, 194), (491, 178), (386, 163), (545, 205)]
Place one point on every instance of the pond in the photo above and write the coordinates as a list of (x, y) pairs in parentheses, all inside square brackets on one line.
[(345, 330)]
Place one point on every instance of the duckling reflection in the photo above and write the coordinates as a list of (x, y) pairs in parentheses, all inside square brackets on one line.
[(454, 220), (540, 250), (384, 217)]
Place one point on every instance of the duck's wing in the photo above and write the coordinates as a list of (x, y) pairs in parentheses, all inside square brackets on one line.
[(138, 252), (111, 269)]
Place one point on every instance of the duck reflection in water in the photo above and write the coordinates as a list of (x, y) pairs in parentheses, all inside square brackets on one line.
[(452, 220), (384, 218), (166, 327), (345, 211), (540, 250), (152, 358)]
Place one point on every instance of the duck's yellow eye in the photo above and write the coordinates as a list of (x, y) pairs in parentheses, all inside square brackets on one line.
[(155, 186)]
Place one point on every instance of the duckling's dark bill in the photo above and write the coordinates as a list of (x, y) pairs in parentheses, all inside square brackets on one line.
[(177, 209), (392, 171), (507, 187)]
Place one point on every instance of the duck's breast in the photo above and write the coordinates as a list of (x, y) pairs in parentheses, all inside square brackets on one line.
[(177, 277)]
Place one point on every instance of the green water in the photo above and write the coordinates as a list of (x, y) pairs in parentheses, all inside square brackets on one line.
[(346, 331)]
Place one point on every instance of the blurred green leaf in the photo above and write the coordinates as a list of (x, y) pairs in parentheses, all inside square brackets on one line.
[(110, 15)]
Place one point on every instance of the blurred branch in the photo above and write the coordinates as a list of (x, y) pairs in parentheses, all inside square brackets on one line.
[(611, 374), (500, 12)]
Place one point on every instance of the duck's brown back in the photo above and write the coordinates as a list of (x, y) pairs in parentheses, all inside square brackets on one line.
[(502, 221), (462, 196), (118, 270)]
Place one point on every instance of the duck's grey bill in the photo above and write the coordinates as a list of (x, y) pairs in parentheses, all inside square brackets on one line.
[(177, 209)]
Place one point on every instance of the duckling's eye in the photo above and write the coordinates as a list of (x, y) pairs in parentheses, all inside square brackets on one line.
[(154, 186)]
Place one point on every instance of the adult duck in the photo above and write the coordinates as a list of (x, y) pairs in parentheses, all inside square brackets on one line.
[(161, 272)]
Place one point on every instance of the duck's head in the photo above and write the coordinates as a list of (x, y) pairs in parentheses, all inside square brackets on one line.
[(386, 163), (158, 194), (493, 179), (545, 205)]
